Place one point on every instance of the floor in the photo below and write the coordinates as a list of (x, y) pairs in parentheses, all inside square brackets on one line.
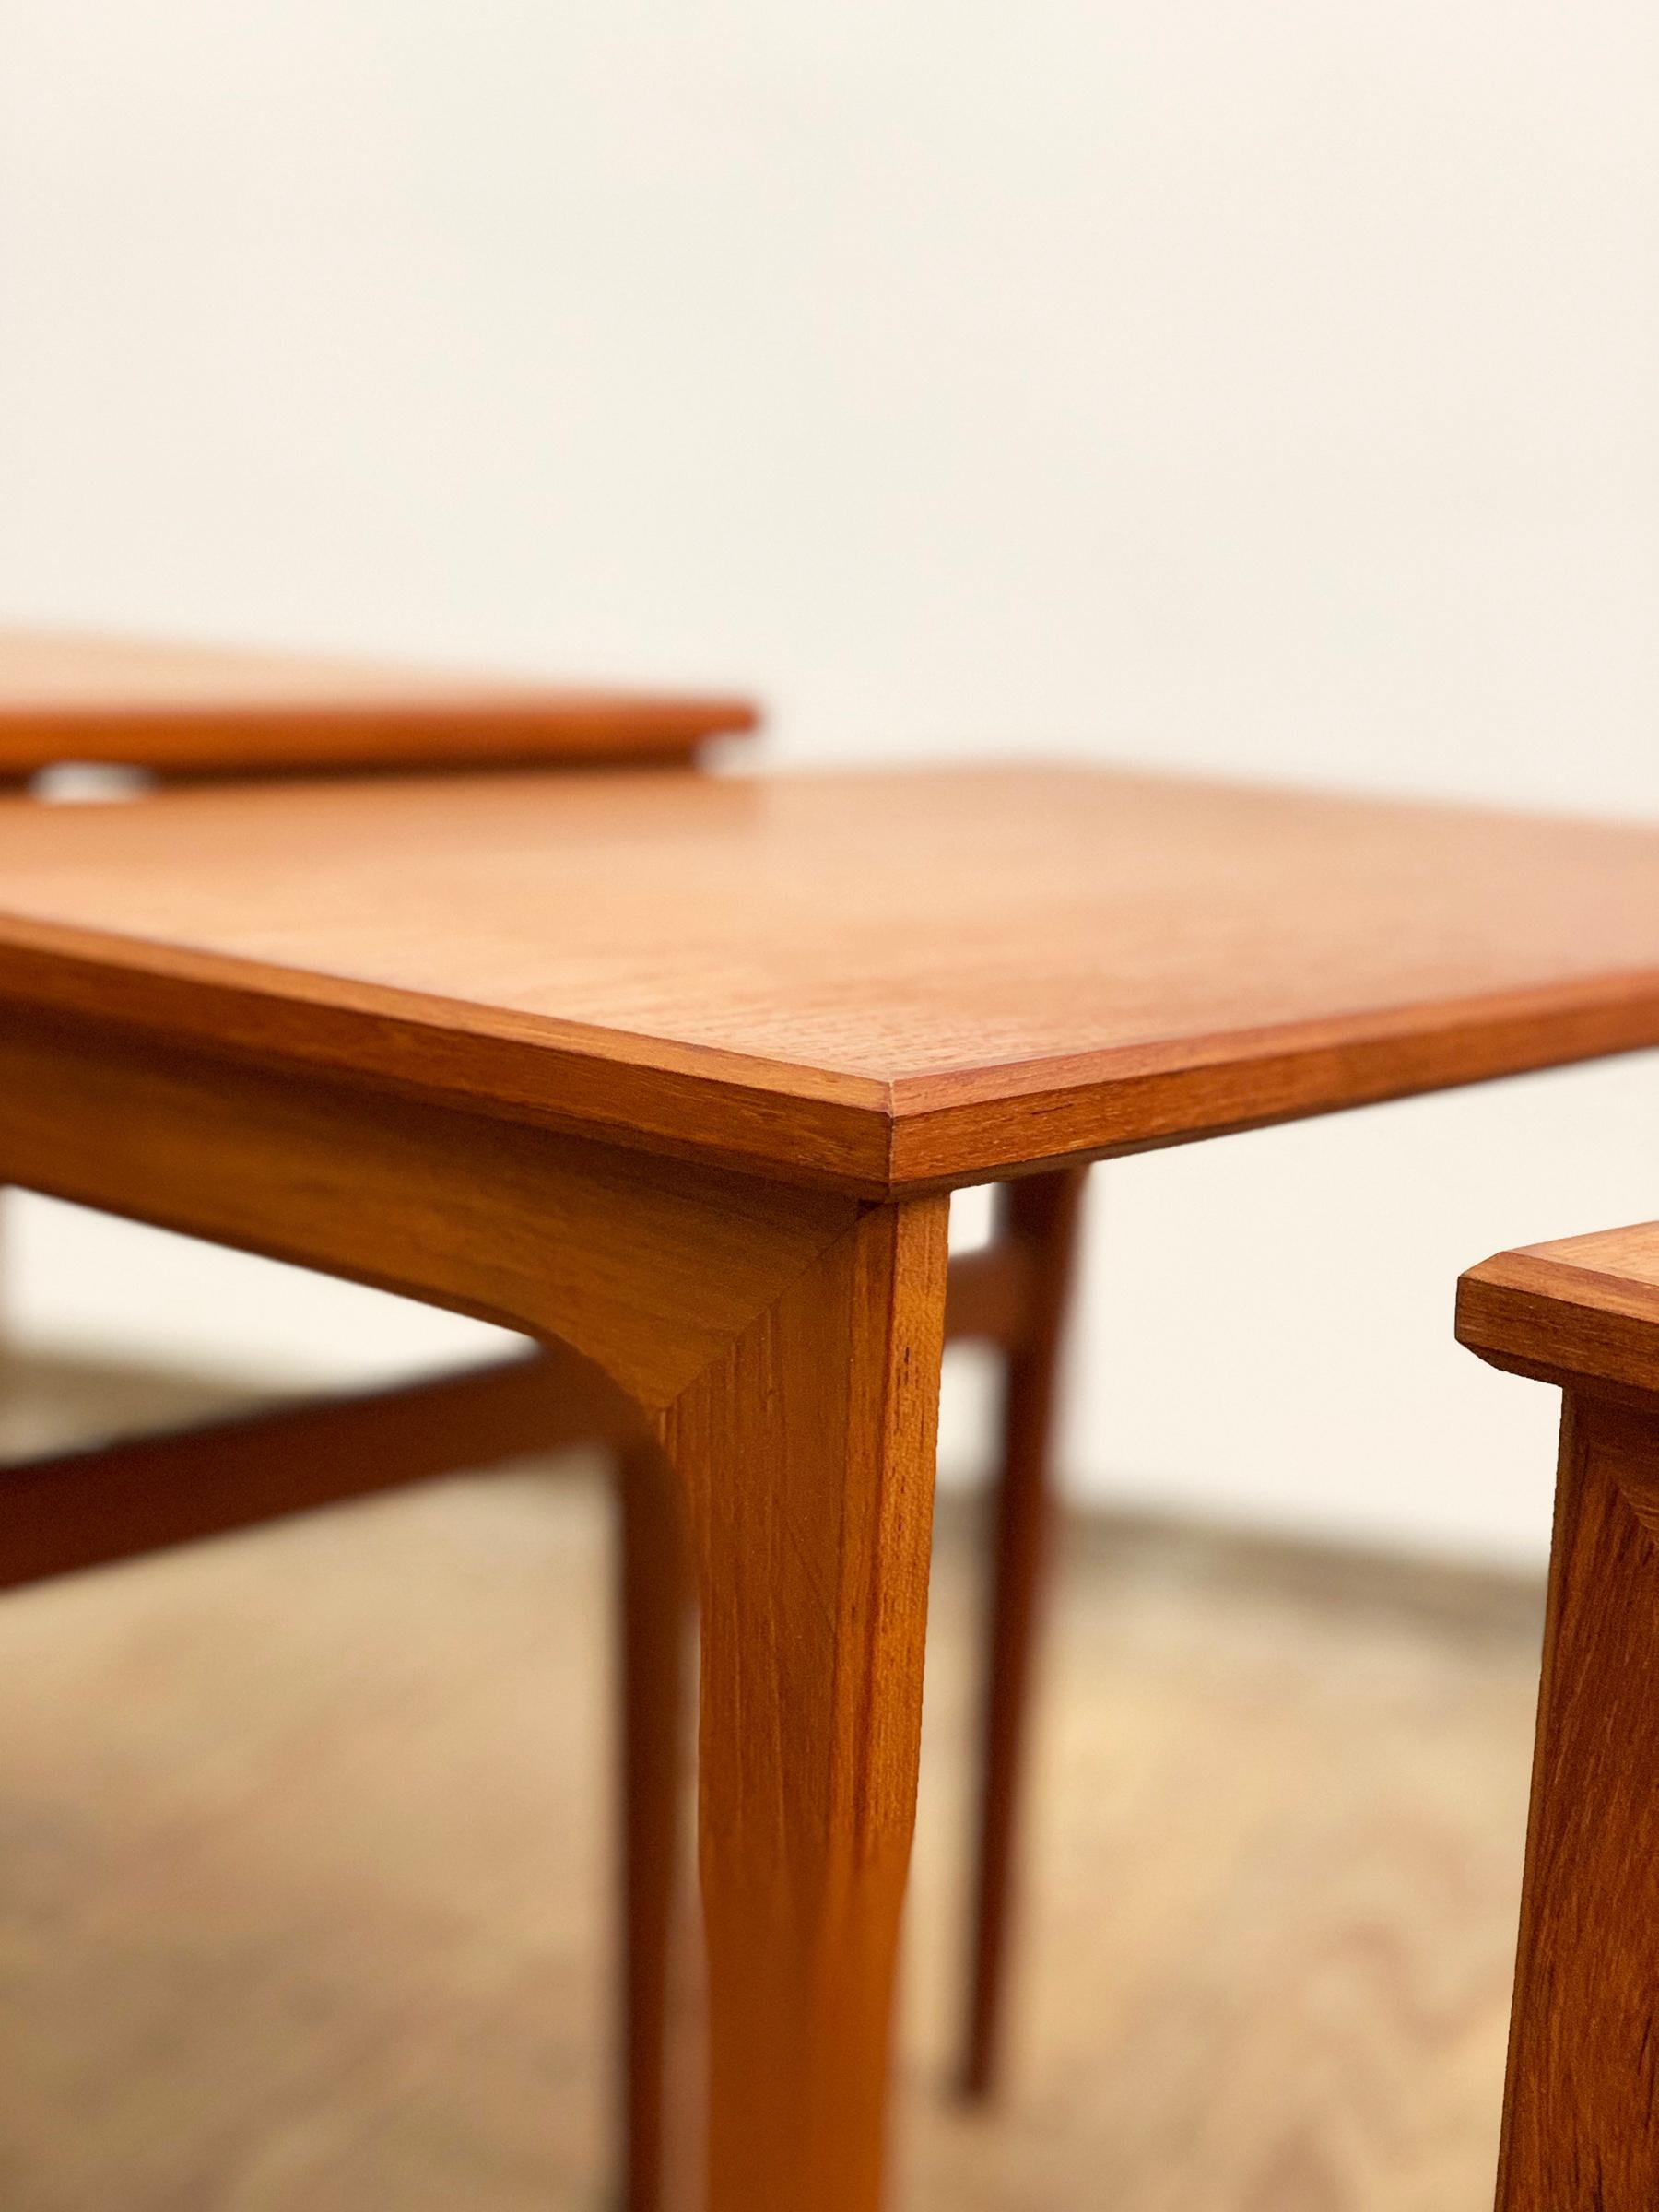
[(305, 1849)]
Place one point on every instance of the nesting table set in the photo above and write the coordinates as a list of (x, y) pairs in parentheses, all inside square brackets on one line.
[(674, 1073)]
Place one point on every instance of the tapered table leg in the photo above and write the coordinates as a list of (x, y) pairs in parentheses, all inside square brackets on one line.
[(806, 1455), (1041, 1216)]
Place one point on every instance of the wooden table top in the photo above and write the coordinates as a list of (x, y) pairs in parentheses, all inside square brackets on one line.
[(878, 981), (181, 709)]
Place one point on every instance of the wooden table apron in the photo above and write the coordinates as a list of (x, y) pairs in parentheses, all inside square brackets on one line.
[(784, 1344)]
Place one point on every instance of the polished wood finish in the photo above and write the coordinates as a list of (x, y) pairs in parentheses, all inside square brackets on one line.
[(1039, 1232), (193, 709), (1582, 2103), (806, 1455), (882, 983)]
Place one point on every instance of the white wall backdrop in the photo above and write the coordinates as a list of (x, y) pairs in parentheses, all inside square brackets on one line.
[(1269, 390)]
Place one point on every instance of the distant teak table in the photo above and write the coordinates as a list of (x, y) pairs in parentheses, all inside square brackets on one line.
[(676, 1072)]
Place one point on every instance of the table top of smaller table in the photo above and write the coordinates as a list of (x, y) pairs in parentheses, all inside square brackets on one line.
[(1581, 1311), (881, 981), (191, 708)]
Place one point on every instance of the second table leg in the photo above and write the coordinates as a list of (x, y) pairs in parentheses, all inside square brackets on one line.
[(1040, 1218)]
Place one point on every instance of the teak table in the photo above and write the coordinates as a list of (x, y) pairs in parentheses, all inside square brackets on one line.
[(182, 711), (676, 1072)]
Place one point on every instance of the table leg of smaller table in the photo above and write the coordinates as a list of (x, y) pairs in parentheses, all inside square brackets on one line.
[(1582, 2107), (806, 1455)]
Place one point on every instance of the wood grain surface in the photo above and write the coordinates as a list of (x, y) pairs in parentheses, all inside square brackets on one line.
[(886, 982), (191, 709)]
